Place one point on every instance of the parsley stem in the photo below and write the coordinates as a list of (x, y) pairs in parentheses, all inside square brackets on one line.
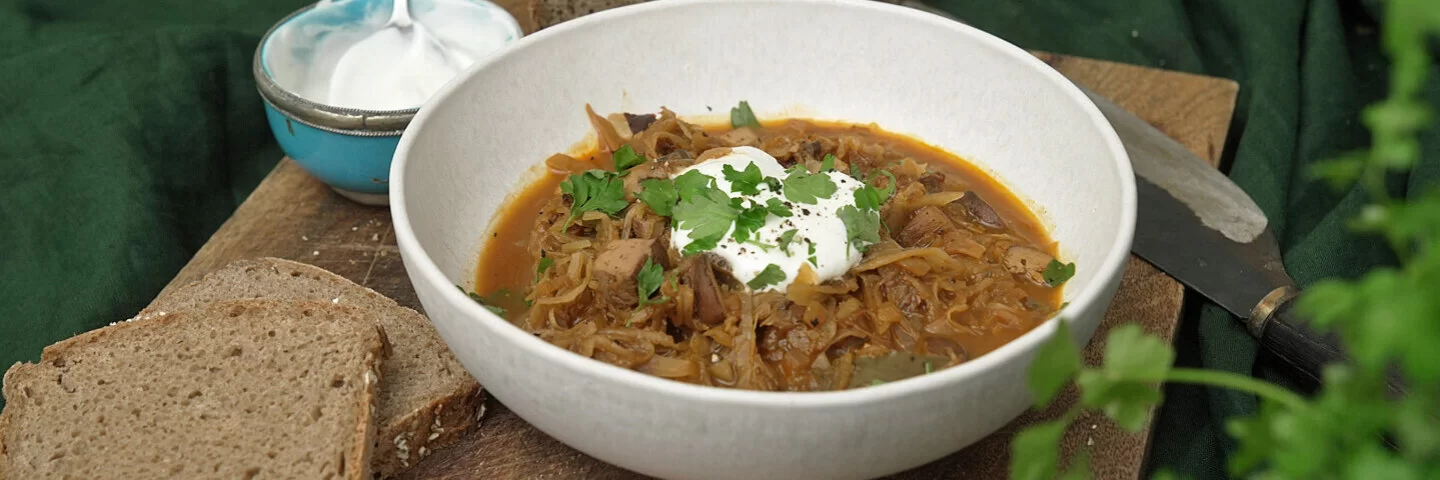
[(1235, 381)]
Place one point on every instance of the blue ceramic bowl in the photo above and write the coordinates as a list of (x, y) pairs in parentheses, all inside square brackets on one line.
[(346, 148)]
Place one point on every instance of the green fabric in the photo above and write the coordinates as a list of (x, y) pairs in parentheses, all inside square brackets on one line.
[(131, 130)]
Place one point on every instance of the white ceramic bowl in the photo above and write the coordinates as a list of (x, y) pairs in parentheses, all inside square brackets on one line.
[(908, 71)]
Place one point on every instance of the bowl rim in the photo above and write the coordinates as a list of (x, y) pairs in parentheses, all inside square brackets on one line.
[(419, 264)]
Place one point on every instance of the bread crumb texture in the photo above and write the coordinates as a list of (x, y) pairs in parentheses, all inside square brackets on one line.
[(235, 390)]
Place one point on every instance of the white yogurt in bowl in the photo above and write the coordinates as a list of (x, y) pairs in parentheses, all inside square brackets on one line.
[(344, 54), (340, 85)]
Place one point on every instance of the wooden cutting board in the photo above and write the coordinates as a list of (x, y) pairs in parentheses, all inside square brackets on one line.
[(291, 215)]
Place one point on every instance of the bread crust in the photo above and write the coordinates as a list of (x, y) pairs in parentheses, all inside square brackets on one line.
[(402, 440)]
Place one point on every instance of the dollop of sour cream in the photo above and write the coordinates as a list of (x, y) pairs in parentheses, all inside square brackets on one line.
[(343, 54), (820, 238)]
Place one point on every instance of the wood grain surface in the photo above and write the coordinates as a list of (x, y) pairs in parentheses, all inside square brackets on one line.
[(294, 216)]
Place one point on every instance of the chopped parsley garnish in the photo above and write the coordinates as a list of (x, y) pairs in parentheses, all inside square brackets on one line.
[(778, 208), (1057, 273), (648, 281), (596, 190), (625, 159), (707, 213), (769, 276), (862, 227), (540, 268), (812, 253), (688, 183), (773, 183), (889, 189), (748, 222), (744, 182), (484, 302), (828, 163), (742, 116), (787, 237), (659, 194), (868, 198), (802, 186)]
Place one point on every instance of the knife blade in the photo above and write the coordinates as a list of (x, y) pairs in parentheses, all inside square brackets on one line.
[(1197, 225)]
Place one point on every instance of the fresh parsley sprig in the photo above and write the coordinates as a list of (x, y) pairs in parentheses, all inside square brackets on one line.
[(742, 116), (625, 158), (648, 281), (708, 213), (596, 190), (1388, 320), (801, 186), (744, 182), (862, 227), (771, 275)]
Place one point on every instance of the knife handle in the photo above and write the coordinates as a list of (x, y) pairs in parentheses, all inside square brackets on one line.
[(1288, 336)]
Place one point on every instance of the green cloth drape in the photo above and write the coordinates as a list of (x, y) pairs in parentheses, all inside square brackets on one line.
[(130, 130)]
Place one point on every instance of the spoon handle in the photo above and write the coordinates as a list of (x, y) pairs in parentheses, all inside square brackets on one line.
[(400, 15)]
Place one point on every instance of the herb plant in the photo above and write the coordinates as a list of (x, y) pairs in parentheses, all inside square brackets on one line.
[(1388, 319)]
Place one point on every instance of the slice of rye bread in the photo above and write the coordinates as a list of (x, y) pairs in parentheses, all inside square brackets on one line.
[(241, 389), (428, 398)]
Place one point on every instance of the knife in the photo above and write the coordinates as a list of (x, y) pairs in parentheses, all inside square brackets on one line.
[(1198, 226)]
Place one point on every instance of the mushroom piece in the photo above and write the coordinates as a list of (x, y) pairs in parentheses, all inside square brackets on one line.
[(638, 123), (739, 137), (701, 278), (926, 223), (1028, 263), (617, 265), (980, 211)]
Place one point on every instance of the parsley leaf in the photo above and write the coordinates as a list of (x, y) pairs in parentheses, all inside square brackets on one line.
[(708, 214), (692, 182), (862, 228), (773, 183), (1057, 273), (742, 116), (1055, 365), (545, 264), (484, 302), (625, 159), (881, 194), (867, 198), (648, 281), (698, 245), (744, 182), (749, 221), (769, 276), (778, 208), (804, 187), (659, 194), (787, 237), (1124, 387), (811, 258), (1035, 452), (827, 164), (597, 190)]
